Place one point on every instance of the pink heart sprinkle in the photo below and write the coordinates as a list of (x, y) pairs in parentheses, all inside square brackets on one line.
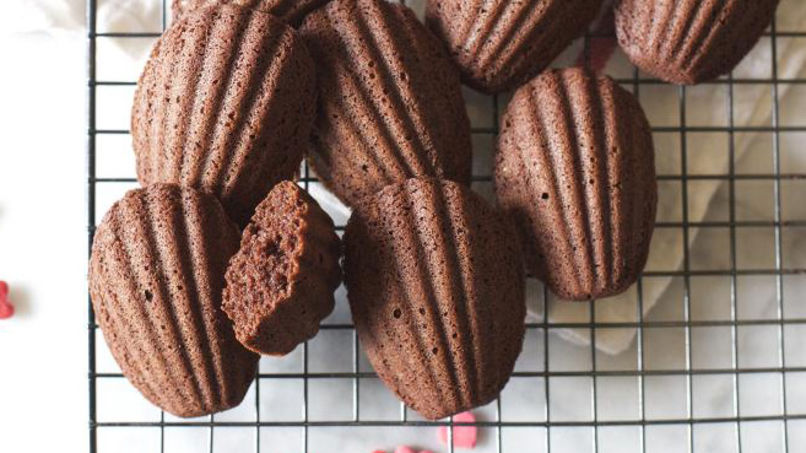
[(6, 309), (463, 436), (404, 449)]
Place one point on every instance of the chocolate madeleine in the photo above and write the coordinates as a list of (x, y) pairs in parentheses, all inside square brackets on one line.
[(575, 167), (290, 11), (690, 41), (155, 278), (225, 105), (390, 102), (501, 44), (436, 287)]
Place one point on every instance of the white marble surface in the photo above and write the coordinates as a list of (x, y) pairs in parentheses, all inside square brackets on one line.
[(43, 397), (43, 246)]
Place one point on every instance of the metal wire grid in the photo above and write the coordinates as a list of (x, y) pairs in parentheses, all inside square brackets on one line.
[(641, 373)]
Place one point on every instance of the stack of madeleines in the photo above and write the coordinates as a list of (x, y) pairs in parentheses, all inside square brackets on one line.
[(221, 257)]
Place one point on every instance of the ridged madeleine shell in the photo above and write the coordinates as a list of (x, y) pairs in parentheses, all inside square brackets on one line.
[(289, 11), (390, 102), (690, 41), (500, 44), (155, 278), (575, 166), (436, 288), (280, 283), (225, 105)]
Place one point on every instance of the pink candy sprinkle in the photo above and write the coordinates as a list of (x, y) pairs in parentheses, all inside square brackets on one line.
[(6, 309), (463, 436)]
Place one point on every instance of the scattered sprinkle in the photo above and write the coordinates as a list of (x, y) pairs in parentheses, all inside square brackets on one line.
[(463, 436), (6, 309)]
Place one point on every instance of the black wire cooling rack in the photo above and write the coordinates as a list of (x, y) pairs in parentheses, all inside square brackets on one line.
[(547, 426)]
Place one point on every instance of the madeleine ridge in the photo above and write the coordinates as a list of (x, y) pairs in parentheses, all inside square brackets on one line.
[(280, 283), (390, 101), (575, 166), (436, 287), (225, 105), (690, 42), (155, 278), (290, 11), (500, 44)]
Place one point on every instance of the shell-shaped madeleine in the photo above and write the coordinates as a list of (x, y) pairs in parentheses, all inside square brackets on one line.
[(280, 283), (390, 102), (575, 166), (225, 105), (290, 11), (690, 41), (436, 287), (156, 276), (500, 44)]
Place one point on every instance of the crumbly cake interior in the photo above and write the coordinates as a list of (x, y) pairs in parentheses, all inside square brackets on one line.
[(264, 270)]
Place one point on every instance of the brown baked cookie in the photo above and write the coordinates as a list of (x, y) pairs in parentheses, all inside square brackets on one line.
[(390, 102), (225, 105), (575, 166), (290, 11), (500, 44), (688, 42), (436, 287), (280, 284), (155, 277)]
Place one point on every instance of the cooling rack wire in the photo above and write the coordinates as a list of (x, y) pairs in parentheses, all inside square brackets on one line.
[(644, 400)]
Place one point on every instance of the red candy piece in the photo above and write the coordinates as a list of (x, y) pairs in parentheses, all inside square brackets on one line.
[(6, 309), (463, 436), (602, 45)]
